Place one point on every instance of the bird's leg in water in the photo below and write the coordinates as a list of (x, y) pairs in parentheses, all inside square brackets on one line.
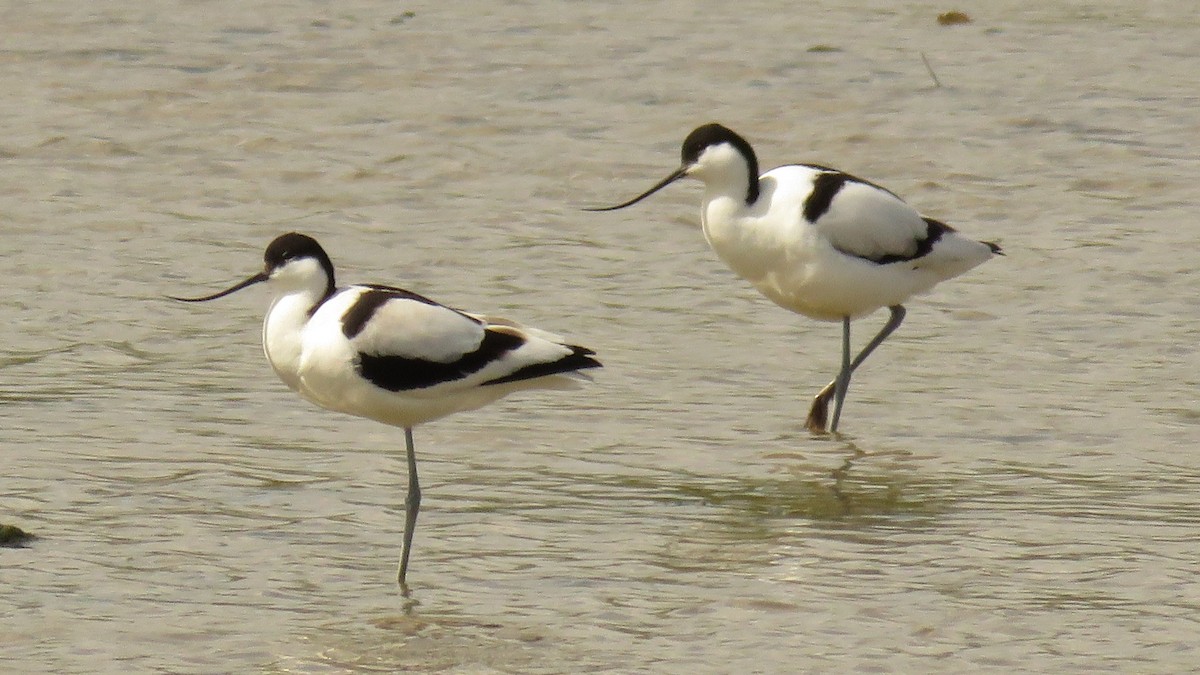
[(818, 414)]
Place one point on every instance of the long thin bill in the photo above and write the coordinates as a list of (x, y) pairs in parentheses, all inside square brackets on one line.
[(256, 279), (676, 175)]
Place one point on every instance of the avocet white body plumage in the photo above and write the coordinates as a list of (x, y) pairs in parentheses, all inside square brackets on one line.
[(817, 241), (393, 356)]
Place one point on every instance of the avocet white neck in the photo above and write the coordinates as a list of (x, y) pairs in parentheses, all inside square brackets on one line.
[(725, 172), (300, 285), (281, 336), (733, 213)]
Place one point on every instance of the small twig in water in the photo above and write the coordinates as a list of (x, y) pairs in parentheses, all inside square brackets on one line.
[(936, 82)]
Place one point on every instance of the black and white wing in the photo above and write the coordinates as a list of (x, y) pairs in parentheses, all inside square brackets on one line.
[(406, 342), (864, 220)]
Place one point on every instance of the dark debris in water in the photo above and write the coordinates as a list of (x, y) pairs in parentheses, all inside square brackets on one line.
[(953, 18), (12, 536)]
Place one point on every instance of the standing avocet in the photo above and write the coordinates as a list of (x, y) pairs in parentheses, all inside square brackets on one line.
[(818, 242), (393, 356)]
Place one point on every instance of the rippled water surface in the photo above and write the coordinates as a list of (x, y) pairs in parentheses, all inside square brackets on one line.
[(1016, 489)]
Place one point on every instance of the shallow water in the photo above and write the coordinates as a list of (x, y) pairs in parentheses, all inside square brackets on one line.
[(1016, 488)]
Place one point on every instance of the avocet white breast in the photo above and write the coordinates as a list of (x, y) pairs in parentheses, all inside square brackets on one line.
[(394, 356), (818, 242)]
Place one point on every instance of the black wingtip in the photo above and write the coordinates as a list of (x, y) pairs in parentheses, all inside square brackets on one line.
[(580, 358), (995, 247)]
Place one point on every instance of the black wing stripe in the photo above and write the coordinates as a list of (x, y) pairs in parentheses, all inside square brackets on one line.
[(359, 314), (825, 187), (402, 373), (579, 359), (934, 229)]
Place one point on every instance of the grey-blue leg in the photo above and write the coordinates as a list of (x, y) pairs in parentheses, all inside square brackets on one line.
[(412, 505), (842, 383), (820, 406)]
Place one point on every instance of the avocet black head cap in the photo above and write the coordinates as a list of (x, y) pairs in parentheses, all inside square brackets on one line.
[(714, 135), (694, 146), (294, 246)]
